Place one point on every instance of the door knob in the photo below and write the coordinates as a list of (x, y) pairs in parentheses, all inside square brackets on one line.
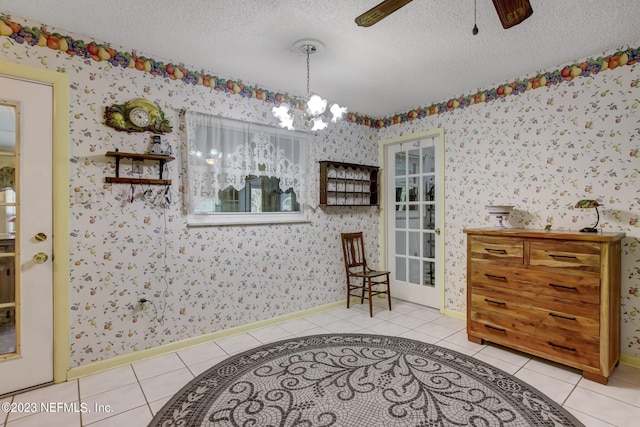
[(40, 258), (438, 231), (41, 237)]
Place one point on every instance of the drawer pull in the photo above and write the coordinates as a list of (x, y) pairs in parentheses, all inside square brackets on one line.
[(495, 251), (492, 276), (495, 328), (563, 256), (572, 288), (490, 301), (561, 346), (561, 316)]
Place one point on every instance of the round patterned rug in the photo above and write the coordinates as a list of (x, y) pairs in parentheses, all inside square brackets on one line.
[(354, 380)]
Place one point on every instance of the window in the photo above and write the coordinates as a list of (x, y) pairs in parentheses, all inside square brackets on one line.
[(244, 173), (260, 194)]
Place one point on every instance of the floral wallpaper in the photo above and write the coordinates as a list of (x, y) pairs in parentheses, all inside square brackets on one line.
[(542, 151), (540, 143), (127, 243)]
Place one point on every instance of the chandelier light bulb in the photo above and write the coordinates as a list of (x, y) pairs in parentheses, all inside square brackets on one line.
[(281, 112), (337, 112), (287, 123), (316, 105), (318, 124)]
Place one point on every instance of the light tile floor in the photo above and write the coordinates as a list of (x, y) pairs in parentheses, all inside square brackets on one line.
[(130, 395)]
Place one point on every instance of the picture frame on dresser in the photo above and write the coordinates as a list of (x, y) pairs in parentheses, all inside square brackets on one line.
[(551, 294)]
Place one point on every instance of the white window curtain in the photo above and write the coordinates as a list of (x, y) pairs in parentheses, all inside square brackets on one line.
[(222, 152)]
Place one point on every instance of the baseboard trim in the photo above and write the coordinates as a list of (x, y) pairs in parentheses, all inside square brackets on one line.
[(628, 360), (457, 314), (126, 359)]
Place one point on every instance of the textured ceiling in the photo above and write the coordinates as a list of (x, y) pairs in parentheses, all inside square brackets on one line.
[(422, 54)]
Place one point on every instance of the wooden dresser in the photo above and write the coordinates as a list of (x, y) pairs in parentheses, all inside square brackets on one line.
[(552, 294)]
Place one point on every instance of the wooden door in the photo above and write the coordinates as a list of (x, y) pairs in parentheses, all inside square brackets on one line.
[(26, 243)]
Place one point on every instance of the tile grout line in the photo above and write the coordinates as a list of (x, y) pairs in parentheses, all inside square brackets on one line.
[(6, 417), (135, 374), (79, 399)]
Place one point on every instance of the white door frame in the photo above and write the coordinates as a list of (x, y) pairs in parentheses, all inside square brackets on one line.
[(438, 134), (60, 83)]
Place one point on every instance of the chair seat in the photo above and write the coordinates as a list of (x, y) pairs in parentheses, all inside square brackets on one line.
[(372, 273), (360, 277)]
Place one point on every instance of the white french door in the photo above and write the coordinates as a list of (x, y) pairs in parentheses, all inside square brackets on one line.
[(26, 243), (414, 203)]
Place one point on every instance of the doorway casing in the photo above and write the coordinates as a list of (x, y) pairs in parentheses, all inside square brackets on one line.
[(60, 83), (438, 134)]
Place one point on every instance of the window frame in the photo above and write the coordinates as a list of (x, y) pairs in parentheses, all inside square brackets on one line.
[(245, 218)]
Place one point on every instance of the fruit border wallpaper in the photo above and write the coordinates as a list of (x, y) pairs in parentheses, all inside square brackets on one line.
[(41, 36), (540, 143)]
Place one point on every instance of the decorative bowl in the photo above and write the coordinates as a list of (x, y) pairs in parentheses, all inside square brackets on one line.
[(500, 213)]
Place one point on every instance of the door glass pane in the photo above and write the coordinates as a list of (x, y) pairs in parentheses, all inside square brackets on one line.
[(429, 245), (7, 330), (414, 209), (401, 269), (8, 292), (400, 159), (401, 190), (414, 162), (414, 217), (401, 243), (401, 216), (428, 159), (414, 271), (429, 220), (429, 278), (414, 189), (414, 244), (7, 279), (7, 127), (429, 188)]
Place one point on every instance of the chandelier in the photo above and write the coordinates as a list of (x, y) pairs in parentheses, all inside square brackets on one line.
[(315, 115)]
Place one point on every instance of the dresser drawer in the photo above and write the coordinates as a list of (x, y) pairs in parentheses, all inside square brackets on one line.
[(496, 248), (575, 286), (575, 255), (579, 348), (542, 316)]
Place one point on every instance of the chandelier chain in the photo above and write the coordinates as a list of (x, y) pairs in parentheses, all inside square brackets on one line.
[(308, 49)]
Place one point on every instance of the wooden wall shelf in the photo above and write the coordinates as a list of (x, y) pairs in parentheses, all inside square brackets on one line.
[(348, 184), (160, 158)]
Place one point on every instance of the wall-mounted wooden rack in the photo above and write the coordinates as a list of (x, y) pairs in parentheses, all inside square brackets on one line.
[(160, 158)]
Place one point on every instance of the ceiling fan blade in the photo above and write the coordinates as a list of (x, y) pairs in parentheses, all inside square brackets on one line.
[(512, 12), (379, 12)]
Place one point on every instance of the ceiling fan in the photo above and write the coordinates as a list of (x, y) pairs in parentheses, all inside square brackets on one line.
[(511, 12)]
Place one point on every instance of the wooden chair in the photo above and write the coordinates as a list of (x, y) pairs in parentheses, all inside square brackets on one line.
[(359, 275)]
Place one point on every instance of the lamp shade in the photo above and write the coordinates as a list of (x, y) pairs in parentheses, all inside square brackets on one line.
[(316, 105), (586, 203)]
